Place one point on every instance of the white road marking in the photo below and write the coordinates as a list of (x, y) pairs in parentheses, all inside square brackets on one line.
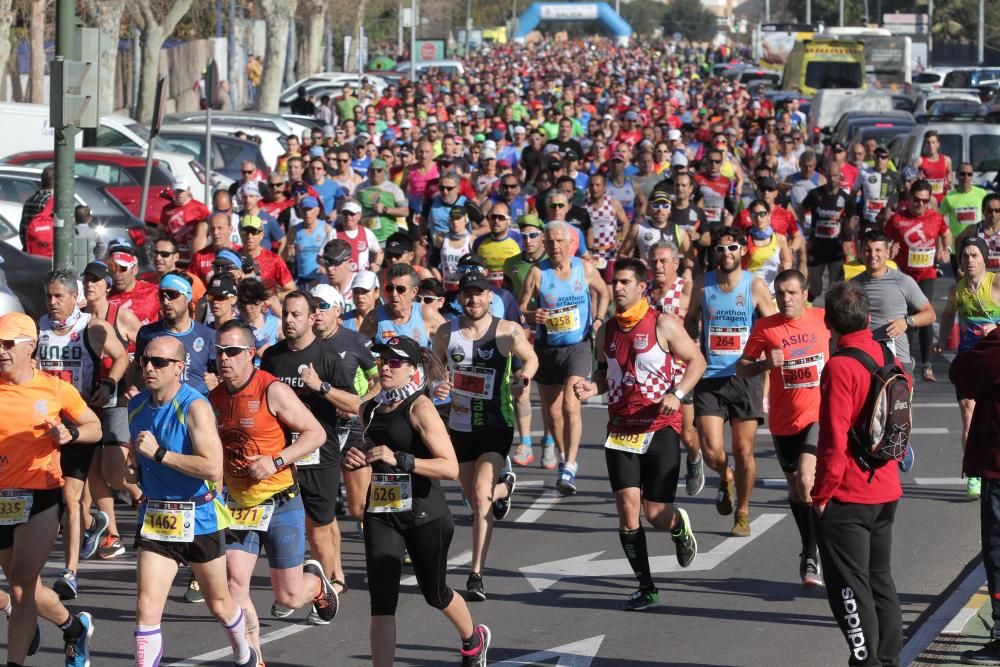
[(544, 575), (775, 483), (577, 654), (549, 498), (939, 481), (932, 627), (930, 430), (227, 652)]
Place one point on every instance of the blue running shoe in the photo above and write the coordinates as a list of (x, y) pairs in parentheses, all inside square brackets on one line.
[(92, 536), (78, 650), (566, 484), (65, 585)]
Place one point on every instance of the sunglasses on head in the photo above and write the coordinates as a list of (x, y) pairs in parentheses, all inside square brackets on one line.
[(731, 247), (158, 362), (398, 289), (229, 350), (10, 344), (392, 362)]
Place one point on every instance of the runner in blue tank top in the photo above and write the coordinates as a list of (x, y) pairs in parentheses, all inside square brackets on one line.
[(176, 453), (306, 241), (572, 301), (724, 305)]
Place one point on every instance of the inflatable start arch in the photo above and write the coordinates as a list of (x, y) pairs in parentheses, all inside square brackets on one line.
[(573, 11)]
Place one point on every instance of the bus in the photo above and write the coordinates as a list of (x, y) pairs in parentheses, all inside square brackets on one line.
[(888, 57)]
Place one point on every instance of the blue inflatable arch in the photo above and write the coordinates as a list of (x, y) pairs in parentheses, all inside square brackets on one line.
[(573, 11)]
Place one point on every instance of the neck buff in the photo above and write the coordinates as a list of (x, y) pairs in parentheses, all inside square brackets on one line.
[(631, 317), (389, 396), (70, 321), (761, 234)]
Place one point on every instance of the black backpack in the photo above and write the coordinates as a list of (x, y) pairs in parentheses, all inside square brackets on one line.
[(882, 430)]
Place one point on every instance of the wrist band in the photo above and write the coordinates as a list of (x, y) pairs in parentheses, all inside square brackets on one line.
[(160, 453), (405, 462)]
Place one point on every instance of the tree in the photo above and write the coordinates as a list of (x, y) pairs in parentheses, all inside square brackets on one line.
[(152, 33), (106, 16), (690, 19), (315, 22), (36, 41), (277, 16), (644, 15)]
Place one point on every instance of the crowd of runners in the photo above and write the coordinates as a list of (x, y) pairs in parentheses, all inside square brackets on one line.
[(381, 310)]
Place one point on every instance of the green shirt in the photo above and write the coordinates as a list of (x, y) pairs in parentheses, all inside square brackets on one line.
[(383, 226), (962, 209), (516, 269)]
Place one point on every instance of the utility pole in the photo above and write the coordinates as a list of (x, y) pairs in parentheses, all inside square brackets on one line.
[(399, 32), (841, 19), (413, 41), (809, 11), (982, 32), (468, 25)]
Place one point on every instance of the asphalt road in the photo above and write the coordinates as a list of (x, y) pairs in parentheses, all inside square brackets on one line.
[(557, 578)]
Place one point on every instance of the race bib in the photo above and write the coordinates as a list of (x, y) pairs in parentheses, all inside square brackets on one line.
[(967, 215), (633, 443), (311, 460), (390, 493), (474, 382), (255, 517), (495, 277), (168, 521), (15, 506), (802, 373), (713, 213), (727, 340), (937, 185), (563, 320), (920, 258), (827, 229)]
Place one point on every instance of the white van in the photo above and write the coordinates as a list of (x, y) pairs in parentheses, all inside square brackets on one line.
[(829, 104)]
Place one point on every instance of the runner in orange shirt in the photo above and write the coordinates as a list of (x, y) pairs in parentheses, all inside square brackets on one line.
[(793, 345), (41, 414)]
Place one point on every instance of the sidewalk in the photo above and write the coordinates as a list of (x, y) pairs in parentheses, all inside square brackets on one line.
[(968, 630)]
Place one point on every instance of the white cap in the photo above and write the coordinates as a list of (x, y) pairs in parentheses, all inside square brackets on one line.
[(489, 145), (180, 185), (674, 135), (488, 154), (405, 124), (351, 207), (679, 159), (365, 280), (519, 129), (328, 294), (250, 189)]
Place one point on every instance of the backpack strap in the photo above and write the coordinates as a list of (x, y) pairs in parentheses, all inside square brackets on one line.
[(860, 356)]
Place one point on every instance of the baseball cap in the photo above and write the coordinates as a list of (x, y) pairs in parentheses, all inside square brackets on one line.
[(17, 325), (473, 280), (328, 294), (618, 155), (767, 183), (401, 347), (679, 159), (350, 207), (519, 129), (660, 196), (365, 280), (227, 258), (176, 283), (222, 285), (555, 164), (471, 259), (398, 243), (316, 151), (881, 149), (457, 212), (121, 244), (405, 124), (180, 185), (489, 145), (98, 270), (250, 189), (838, 147), (308, 203), (530, 220), (488, 154), (251, 222), (332, 257), (674, 135), (909, 173), (378, 163), (631, 115)]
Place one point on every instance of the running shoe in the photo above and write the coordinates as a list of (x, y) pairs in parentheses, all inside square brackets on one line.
[(973, 488), (929, 373), (694, 482), (92, 536), (987, 655), (727, 497), (474, 585), (111, 547), (810, 571), (741, 525), (476, 657), (501, 508), (641, 600), (193, 592), (78, 650), (65, 585), (252, 661), (549, 459), (326, 601), (280, 610), (684, 539), (906, 465), (566, 483), (524, 455)]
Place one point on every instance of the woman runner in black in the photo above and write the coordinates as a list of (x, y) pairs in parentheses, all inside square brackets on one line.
[(408, 448)]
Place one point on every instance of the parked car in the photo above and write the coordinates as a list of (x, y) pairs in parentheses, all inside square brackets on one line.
[(21, 281), (122, 174), (925, 100), (883, 126), (228, 152), (110, 218), (272, 143), (930, 80), (975, 142), (10, 221), (319, 88), (830, 104), (449, 67)]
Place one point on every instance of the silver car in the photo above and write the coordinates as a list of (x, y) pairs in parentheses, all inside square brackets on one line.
[(977, 143)]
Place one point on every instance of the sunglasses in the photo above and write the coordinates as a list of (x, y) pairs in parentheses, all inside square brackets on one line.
[(449, 188), (509, 186), (531, 236), (967, 174), (276, 184), (10, 344), (497, 217), (163, 254), (883, 156), (169, 294), (398, 289), (219, 297), (252, 231), (428, 299), (921, 200), (732, 247), (342, 161), (715, 161), (229, 350), (392, 362), (246, 171), (158, 362), (557, 204), (993, 210), (660, 205), (759, 214)]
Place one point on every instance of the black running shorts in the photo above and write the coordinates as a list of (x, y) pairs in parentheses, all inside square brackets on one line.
[(204, 549), (75, 460), (790, 447), (556, 364), (730, 398), (469, 446), (43, 500), (319, 487), (656, 472)]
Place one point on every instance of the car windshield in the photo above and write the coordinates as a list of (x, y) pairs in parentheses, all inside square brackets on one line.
[(926, 77), (141, 131), (101, 205), (820, 74), (985, 149)]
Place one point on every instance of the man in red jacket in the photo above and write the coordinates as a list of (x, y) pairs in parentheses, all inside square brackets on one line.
[(975, 374), (855, 509)]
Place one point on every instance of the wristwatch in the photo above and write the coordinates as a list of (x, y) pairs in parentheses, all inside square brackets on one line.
[(279, 462), (679, 393), (909, 320), (325, 388)]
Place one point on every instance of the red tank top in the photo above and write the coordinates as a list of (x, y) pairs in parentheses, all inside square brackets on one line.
[(640, 373), (936, 173), (111, 317)]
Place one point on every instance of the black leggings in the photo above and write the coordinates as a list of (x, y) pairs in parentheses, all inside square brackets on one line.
[(926, 334), (428, 546)]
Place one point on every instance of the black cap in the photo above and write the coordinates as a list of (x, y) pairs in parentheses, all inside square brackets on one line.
[(333, 256), (398, 243), (457, 212), (881, 148), (976, 241), (222, 285), (98, 270), (837, 147), (402, 347), (555, 164), (471, 259), (766, 183), (475, 280)]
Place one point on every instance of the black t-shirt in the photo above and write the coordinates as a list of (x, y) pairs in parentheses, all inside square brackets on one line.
[(568, 145), (578, 217), (355, 352), (285, 364), (827, 217), (531, 162)]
